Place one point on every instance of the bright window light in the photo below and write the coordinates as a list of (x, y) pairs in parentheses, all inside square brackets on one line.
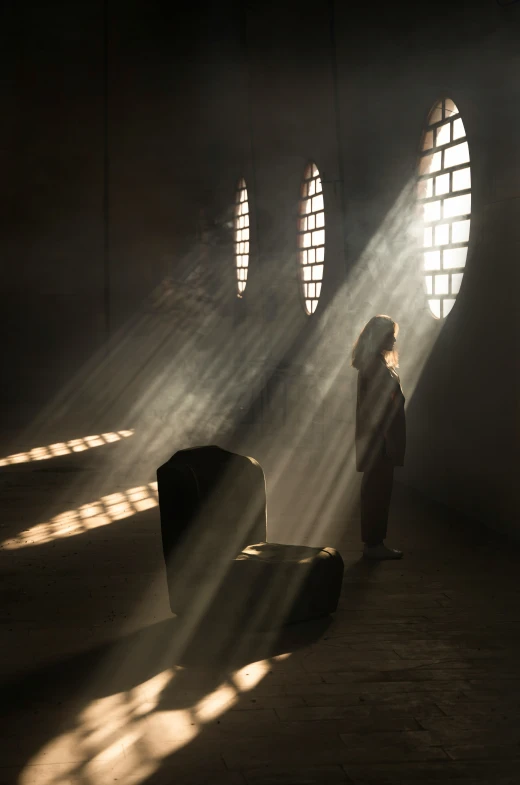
[(241, 236), (444, 195), (311, 237)]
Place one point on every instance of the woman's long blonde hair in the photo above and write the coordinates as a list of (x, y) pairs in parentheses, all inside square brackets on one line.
[(368, 345)]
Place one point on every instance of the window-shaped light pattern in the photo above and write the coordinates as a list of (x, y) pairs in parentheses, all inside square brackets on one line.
[(444, 192), (311, 237), (241, 235)]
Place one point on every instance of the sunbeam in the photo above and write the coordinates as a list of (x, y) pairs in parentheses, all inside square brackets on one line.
[(186, 387)]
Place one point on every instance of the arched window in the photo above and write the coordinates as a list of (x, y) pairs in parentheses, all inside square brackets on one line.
[(311, 237), (241, 235), (444, 192)]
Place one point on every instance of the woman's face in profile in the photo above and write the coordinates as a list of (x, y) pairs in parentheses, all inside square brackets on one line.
[(388, 342)]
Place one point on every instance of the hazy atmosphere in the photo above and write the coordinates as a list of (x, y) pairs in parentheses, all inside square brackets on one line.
[(204, 206)]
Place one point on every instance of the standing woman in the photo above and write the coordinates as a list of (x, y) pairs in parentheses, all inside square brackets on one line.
[(380, 429)]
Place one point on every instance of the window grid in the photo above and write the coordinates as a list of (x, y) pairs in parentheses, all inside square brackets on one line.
[(311, 237), (444, 196), (241, 222)]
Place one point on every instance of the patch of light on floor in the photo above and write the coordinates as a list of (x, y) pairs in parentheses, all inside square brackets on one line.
[(125, 737), (247, 678), (65, 448), (216, 703), (106, 510)]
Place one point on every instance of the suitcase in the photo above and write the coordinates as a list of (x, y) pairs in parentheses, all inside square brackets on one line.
[(265, 590), (270, 585)]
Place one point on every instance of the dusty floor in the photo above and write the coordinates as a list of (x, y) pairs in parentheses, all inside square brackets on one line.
[(415, 679)]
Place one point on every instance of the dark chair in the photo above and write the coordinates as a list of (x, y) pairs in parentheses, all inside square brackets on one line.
[(214, 528)]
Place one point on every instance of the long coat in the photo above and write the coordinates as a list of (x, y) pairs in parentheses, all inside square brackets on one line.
[(380, 417)]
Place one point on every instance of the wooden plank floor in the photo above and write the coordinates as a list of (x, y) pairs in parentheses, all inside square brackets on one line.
[(415, 679)]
